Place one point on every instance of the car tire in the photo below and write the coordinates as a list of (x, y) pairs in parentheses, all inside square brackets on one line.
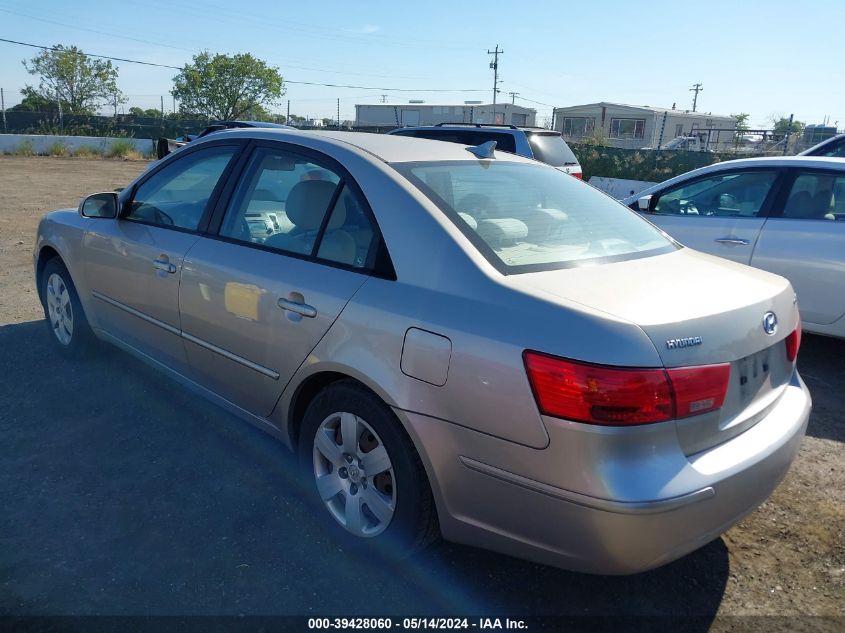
[(69, 330), (379, 468)]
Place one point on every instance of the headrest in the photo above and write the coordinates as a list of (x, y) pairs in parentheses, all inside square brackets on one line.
[(471, 221), (307, 204), (502, 230)]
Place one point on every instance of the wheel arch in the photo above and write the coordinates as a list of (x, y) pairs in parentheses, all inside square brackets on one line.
[(45, 254), (307, 390)]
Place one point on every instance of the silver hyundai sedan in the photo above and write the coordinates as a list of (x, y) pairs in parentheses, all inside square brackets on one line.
[(452, 339)]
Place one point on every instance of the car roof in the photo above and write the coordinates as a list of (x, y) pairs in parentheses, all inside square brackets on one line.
[(388, 148), (820, 162), (780, 161)]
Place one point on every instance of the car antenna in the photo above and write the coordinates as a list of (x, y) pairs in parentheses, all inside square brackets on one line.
[(485, 150)]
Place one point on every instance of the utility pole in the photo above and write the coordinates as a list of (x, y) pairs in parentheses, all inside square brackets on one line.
[(495, 66), (696, 88), (162, 109), (287, 119), (786, 137), (3, 108), (513, 95), (338, 113), (61, 116)]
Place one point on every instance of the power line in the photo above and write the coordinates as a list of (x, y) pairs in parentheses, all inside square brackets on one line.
[(117, 59), (287, 81), (83, 28), (537, 102)]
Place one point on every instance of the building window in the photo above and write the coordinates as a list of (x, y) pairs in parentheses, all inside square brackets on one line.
[(627, 128), (576, 127), (679, 129)]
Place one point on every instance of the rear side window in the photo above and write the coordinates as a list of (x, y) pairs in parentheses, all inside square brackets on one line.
[(551, 149), (282, 202), (528, 217), (816, 197)]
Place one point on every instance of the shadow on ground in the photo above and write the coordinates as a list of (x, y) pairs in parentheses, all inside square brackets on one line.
[(125, 494), (821, 363)]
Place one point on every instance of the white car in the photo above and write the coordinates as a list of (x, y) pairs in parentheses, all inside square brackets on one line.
[(782, 214)]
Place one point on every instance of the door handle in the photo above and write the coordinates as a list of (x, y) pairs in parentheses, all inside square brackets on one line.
[(299, 308), (732, 240), (165, 265)]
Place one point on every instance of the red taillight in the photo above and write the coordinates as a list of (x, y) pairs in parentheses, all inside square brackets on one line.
[(699, 389), (621, 396), (577, 174), (793, 342)]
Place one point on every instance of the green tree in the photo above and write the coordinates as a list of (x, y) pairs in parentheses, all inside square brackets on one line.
[(780, 125), (33, 102), (741, 127), (81, 84), (226, 87), (149, 113)]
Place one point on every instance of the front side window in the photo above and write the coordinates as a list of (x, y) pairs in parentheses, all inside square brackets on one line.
[(282, 202), (529, 217), (816, 197), (731, 194), (178, 194), (627, 128)]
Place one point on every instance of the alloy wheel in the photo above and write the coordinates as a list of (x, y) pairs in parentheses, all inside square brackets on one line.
[(354, 474), (59, 309)]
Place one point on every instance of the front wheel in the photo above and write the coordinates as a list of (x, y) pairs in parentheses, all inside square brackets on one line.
[(69, 329), (365, 472)]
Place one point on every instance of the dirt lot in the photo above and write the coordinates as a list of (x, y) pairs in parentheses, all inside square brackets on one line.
[(123, 494)]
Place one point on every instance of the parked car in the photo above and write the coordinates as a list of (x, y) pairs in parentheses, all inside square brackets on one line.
[(540, 144), (165, 146), (685, 143), (782, 214), (452, 339), (833, 147)]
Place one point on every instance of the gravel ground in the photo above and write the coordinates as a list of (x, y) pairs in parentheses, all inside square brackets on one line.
[(121, 493)]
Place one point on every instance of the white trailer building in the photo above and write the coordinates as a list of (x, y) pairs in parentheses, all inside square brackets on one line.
[(421, 113), (633, 127)]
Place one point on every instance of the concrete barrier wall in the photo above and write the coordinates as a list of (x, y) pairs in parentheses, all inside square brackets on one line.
[(41, 143)]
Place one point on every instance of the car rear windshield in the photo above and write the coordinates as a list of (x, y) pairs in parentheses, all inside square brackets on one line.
[(504, 142), (551, 149), (530, 217)]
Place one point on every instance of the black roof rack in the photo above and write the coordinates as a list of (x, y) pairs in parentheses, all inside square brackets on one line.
[(511, 127)]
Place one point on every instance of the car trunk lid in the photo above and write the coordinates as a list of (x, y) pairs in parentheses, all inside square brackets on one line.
[(697, 310)]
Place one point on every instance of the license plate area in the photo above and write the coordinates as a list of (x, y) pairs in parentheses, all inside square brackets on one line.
[(753, 373)]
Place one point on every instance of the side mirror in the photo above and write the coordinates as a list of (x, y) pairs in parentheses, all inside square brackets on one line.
[(99, 205), (644, 203)]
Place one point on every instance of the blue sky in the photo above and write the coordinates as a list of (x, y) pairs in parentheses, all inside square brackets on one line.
[(761, 57)]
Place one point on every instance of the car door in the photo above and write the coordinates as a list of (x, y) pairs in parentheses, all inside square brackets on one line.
[(295, 242), (719, 213), (133, 263), (804, 240)]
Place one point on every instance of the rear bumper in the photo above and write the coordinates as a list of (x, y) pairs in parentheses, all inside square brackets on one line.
[(588, 504)]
